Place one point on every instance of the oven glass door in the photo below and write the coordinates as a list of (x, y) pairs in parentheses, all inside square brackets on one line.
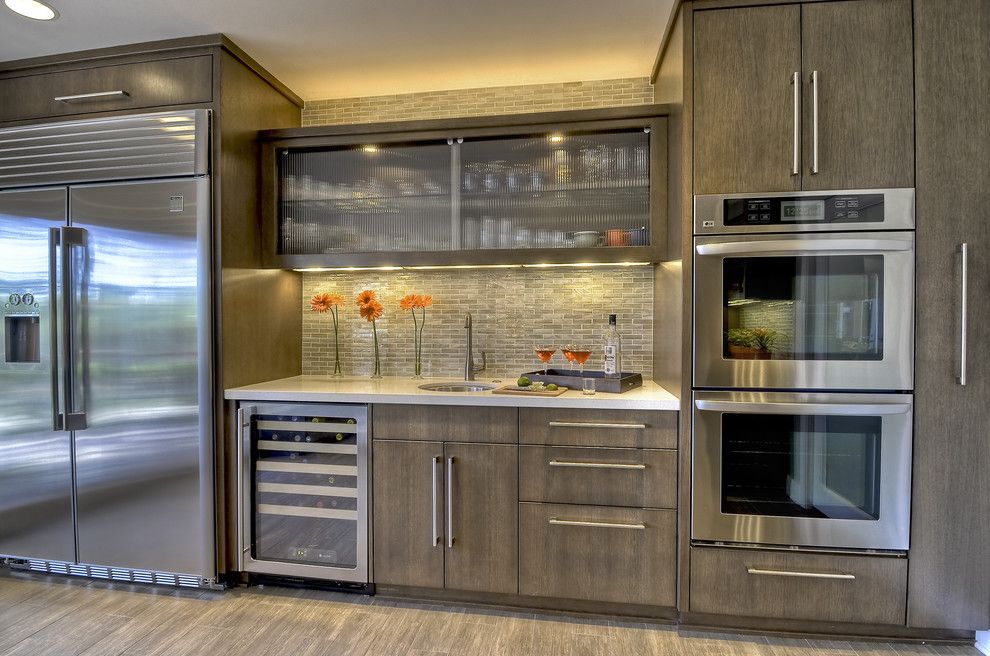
[(819, 311), (806, 470)]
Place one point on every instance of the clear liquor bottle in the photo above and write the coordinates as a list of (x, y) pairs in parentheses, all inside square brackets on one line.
[(613, 350)]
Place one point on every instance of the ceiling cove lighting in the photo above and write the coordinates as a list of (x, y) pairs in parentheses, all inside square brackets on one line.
[(32, 9), (441, 267)]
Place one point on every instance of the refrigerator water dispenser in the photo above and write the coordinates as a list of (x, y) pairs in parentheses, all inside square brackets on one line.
[(22, 338)]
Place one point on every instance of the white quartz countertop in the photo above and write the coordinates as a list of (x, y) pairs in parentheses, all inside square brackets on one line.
[(406, 390)]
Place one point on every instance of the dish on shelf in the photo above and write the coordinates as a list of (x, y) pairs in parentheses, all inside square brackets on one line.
[(587, 238)]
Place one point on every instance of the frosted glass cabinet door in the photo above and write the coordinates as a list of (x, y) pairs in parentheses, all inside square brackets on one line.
[(370, 198)]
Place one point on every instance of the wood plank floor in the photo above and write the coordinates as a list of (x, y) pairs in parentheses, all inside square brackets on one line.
[(62, 616)]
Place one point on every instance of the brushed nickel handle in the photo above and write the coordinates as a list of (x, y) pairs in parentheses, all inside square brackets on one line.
[(242, 438), (799, 246), (781, 408), (73, 419), (54, 239), (963, 312), (556, 521), (595, 465), (450, 503), (800, 575), (594, 424), (434, 464), (796, 83), (814, 125), (98, 95)]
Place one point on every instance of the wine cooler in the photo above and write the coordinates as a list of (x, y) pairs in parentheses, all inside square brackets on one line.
[(303, 498)]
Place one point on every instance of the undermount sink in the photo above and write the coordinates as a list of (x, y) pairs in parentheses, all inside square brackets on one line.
[(457, 387)]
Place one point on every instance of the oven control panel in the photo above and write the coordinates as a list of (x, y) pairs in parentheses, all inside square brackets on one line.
[(785, 210), (805, 211)]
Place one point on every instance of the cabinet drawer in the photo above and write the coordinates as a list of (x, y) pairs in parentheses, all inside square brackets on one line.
[(799, 586), (179, 81), (642, 478), (621, 555), (449, 423), (616, 428)]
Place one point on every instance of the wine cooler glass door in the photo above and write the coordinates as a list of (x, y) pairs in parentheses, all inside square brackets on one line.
[(304, 491)]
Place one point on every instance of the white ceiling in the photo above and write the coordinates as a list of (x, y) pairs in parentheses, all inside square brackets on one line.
[(344, 48)]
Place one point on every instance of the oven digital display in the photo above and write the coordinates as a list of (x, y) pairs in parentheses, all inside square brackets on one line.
[(802, 210)]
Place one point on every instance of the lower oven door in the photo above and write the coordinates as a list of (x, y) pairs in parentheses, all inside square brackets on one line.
[(830, 311), (809, 470), (303, 491)]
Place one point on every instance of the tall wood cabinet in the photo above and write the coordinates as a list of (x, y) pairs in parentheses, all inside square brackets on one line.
[(949, 580), (803, 96)]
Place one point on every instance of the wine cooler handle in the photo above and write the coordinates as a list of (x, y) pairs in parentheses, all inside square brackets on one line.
[(963, 312), (434, 465), (450, 503), (54, 240), (242, 438)]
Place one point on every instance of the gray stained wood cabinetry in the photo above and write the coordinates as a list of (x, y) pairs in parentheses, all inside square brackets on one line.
[(761, 583), (170, 81), (482, 494), (862, 52), (612, 559), (643, 429), (744, 63), (404, 550), (949, 583), (744, 60), (641, 478), (445, 422)]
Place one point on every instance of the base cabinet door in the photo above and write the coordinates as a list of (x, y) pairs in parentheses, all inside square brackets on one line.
[(482, 518), (408, 521), (598, 553)]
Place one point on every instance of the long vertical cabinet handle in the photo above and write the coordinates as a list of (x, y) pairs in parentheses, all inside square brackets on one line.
[(242, 438), (434, 466), (963, 311), (54, 240), (75, 405), (814, 121), (796, 161), (450, 503)]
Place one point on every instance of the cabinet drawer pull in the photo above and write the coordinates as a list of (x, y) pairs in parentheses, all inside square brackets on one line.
[(800, 575), (796, 84), (434, 465), (814, 122), (450, 503), (594, 424), (99, 95), (580, 522), (595, 465), (963, 311)]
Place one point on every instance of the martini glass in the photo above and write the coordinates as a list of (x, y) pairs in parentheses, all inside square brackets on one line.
[(544, 353)]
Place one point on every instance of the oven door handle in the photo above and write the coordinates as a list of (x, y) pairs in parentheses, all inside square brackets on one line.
[(777, 408), (805, 246)]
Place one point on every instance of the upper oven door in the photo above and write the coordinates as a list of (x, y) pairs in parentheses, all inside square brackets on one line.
[(814, 470), (823, 311)]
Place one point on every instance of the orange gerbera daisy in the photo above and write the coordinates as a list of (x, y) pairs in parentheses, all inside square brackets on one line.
[(410, 301), (425, 301), (323, 302), (372, 311), (365, 297)]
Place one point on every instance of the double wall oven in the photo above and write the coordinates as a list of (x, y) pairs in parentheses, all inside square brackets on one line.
[(803, 369)]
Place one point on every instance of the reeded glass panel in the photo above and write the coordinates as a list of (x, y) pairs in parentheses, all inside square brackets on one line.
[(365, 198), (555, 191), (803, 308), (820, 466), (306, 489)]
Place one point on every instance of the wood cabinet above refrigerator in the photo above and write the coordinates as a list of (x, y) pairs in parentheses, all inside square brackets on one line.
[(803, 96), (561, 187)]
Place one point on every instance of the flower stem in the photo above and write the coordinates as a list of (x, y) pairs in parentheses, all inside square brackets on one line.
[(336, 343), (378, 366)]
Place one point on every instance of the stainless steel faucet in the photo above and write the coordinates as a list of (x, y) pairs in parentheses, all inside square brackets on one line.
[(469, 369)]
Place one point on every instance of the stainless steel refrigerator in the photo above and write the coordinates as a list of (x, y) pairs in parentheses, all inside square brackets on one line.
[(106, 430)]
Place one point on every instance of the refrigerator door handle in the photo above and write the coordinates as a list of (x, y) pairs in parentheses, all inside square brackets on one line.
[(75, 404), (54, 241)]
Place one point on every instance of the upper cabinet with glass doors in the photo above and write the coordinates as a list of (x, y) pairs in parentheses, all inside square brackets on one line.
[(570, 187)]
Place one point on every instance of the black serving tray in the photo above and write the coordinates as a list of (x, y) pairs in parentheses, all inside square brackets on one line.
[(572, 378)]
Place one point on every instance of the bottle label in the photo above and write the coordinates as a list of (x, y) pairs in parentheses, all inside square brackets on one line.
[(610, 359)]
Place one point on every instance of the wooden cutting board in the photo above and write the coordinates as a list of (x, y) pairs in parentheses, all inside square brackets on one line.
[(525, 391)]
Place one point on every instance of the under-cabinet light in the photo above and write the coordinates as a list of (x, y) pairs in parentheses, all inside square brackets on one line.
[(555, 138), (370, 149), (441, 267), (32, 9)]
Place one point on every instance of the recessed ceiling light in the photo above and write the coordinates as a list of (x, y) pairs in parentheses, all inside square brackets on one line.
[(31, 9)]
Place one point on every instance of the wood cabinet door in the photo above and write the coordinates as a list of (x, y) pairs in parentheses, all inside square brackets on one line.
[(745, 61), (949, 582), (860, 52), (482, 550), (408, 513)]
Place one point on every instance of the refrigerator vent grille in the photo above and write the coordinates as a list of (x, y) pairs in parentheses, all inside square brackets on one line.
[(113, 573), (139, 146)]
